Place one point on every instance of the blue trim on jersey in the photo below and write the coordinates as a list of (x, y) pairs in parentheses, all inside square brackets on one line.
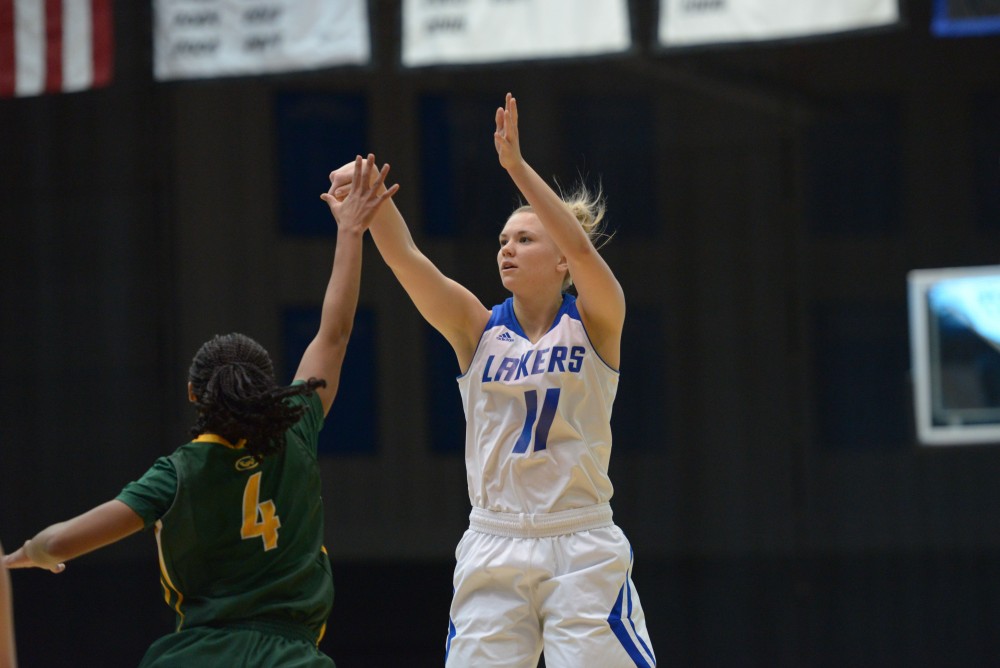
[(503, 314)]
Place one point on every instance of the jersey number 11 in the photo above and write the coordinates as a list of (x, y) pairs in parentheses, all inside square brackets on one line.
[(548, 412)]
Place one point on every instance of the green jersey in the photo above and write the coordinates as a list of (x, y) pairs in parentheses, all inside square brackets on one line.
[(240, 541)]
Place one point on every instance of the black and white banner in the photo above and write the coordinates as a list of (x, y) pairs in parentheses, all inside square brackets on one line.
[(478, 31), (966, 18), (700, 22), (211, 38)]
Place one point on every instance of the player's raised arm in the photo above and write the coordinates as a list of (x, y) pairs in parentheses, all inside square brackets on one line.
[(444, 303), (600, 300), (324, 355)]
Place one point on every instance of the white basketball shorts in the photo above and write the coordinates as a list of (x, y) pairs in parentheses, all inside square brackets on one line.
[(519, 592)]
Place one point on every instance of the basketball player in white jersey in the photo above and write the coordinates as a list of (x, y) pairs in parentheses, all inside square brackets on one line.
[(543, 566)]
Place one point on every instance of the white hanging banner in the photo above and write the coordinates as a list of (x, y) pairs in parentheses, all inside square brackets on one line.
[(479, 31), (699, 22), (213, 38)]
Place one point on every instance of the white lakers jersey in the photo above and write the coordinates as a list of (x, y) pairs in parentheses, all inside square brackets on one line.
[(538, 416)]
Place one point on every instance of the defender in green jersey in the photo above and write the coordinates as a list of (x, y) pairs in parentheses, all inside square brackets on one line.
[(240, 541), (237, 511)]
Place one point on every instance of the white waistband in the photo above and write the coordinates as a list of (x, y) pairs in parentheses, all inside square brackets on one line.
[(540, 525)]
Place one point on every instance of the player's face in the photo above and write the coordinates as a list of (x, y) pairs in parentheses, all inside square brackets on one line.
[(528, 257)]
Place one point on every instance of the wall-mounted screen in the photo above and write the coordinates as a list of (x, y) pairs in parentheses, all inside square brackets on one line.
[(955, 354)]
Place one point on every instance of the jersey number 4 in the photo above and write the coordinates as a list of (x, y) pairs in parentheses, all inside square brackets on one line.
[(544, 418), (259, 518)]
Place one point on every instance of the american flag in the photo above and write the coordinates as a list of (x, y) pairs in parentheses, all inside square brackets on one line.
[(51, 46)]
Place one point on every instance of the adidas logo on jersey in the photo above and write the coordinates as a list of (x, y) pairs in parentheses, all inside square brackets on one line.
[(505, 336)]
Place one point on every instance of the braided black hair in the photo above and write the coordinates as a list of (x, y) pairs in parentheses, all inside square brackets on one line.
[(236, 396)]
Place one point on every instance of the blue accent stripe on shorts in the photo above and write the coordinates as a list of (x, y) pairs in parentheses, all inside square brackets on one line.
[(451, 634), (621, 632), (628, 583)]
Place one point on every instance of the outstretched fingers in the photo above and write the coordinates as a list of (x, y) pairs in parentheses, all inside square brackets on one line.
[(363, 168), (377, 187), (388, 192), (505, 138), (511, 104), (359, 169), (369, 187), (357, 201)]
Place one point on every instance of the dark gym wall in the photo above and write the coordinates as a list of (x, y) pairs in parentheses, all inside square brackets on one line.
[(767, 202)]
